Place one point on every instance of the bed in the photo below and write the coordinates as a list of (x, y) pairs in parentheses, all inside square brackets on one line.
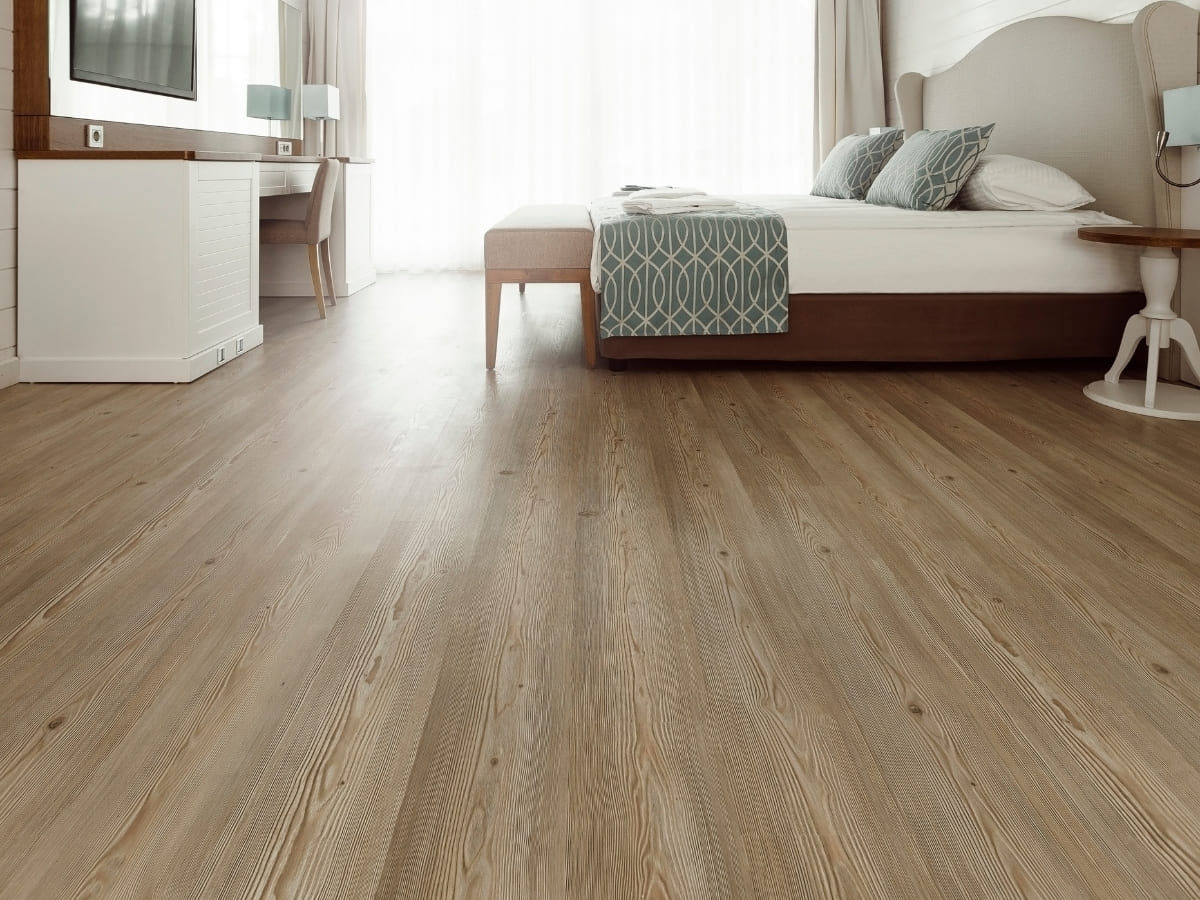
[(1091, 113)]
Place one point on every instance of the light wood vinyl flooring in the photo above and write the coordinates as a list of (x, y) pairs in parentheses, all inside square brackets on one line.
[(353, 618)]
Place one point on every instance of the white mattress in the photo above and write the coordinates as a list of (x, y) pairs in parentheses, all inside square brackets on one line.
[(850, 247)]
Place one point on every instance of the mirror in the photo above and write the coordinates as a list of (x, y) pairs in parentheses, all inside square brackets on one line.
[(238, 43)]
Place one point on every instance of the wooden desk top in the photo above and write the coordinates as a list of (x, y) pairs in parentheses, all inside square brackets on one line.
[(216, 155), (1179, 238)]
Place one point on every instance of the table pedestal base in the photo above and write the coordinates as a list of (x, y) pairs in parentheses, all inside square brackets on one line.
[(1158, 325), (1171, 402)]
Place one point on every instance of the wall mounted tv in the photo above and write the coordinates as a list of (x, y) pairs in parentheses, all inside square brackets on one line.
[(142, 45)]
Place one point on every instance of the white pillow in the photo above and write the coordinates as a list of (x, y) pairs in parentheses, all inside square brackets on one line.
[(1011, 182)]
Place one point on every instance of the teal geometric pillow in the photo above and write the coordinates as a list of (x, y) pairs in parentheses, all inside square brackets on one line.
[(931, 167), (852, 165)]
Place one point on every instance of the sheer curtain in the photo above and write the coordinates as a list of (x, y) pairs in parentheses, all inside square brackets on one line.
[(476, 107)]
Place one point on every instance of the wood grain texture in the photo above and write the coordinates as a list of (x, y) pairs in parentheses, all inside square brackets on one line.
[(350, 617)]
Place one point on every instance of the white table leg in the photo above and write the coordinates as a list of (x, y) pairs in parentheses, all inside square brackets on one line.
[(1181, 330), (1153, 348), (1135, 330)]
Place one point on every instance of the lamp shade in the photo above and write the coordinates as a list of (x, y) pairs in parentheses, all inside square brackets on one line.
[(268, 101), (1181, 116), (321, 101)]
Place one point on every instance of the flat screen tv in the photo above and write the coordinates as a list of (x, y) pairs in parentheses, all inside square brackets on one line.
[(142, 45)]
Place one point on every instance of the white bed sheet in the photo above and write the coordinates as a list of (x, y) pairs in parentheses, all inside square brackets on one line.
[(851, 247)]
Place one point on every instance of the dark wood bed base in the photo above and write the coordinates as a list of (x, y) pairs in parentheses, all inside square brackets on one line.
[(913, 328)]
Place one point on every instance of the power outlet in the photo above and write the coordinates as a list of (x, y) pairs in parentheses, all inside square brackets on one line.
[(284, 148), (95, 136)]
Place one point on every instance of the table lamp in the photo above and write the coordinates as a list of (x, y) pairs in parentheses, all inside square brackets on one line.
[(321, 102), (268, 101)]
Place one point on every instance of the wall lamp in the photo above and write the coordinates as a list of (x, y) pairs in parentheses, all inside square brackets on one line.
[(1181, 127)]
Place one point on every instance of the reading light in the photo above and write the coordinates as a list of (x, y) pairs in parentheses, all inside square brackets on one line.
[(1181, 127), (321, 102), (268, 101)]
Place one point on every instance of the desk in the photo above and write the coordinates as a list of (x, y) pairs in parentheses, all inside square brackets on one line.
[(141, 266), (283, 268)]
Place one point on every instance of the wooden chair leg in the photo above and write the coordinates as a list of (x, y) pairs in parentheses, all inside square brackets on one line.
[(587, 302), (327, 259), (315, 268), (492, 322)]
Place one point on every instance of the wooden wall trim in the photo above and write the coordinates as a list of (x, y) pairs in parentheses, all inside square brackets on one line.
[(63, 133), (31, 58)]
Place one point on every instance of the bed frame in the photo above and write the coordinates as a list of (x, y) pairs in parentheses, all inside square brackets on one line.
[(1091, 112)]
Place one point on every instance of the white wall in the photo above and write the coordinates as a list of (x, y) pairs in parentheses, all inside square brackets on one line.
[(8, 204)]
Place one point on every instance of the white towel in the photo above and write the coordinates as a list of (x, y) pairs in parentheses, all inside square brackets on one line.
[(647, 193), (665, 206)]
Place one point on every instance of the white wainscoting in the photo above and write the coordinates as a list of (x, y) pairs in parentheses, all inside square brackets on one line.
[(8, 205)]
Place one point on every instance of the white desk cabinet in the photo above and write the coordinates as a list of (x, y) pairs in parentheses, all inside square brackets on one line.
[(135, 270)]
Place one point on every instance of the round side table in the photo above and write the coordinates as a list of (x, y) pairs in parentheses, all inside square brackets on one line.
[(1157, 323)]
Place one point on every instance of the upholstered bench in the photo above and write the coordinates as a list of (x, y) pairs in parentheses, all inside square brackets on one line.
[(538, 244)]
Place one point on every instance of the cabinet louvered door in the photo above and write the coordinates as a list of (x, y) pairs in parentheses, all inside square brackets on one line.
[(223, 252)]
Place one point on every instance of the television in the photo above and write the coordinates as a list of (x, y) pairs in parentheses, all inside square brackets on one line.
[(140, 45)]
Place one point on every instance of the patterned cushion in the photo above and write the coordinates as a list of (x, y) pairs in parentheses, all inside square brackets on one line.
[(930, 168), (852, 165), (1012, 182)]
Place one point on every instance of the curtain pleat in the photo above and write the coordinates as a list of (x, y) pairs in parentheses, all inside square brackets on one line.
[(849, 87), (476, 108)]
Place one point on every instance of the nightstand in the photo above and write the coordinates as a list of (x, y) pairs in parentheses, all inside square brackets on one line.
[(1156, 323)]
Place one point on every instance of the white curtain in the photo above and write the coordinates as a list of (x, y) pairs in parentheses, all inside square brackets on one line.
[(850, 91), (476, 107), (335, 53)]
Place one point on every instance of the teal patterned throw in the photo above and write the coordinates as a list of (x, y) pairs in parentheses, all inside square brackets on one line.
[(712, 272), (930, 168), (854, 163)]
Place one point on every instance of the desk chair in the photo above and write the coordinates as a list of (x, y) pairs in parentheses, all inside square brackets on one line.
[(312, 230)]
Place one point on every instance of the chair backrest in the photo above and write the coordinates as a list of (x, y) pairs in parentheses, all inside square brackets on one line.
[(319, 218)]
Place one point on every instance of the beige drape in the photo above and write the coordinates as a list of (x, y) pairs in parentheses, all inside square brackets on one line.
[(849, 80), (335, 53)]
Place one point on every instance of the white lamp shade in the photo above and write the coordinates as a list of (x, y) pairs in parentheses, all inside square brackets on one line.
[(321, 101), (268, 101), (1181, 116)]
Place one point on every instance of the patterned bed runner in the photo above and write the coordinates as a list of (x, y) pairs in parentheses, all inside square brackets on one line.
[(693, 273)]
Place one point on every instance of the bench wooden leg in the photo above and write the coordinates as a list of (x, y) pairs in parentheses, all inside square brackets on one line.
[(587, 303), (521, 286), (492, 322)]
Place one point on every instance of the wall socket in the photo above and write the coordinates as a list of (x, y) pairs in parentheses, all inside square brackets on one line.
[(95, 135), (283, 148)]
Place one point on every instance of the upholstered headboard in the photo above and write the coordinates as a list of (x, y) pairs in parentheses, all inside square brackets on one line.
[(1082, 96)]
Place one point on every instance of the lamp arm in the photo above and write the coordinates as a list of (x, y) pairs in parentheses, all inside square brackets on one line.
[(1159, 143)]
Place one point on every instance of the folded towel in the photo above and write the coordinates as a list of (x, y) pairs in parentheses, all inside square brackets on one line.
[(665, 206), (666, 192)]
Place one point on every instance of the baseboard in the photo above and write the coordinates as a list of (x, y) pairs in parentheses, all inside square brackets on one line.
[(285, 288), (352, 285), (140, 369), (10, 371)]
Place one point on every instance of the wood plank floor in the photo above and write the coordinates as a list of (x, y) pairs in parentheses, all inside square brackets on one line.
[(351, 617)]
